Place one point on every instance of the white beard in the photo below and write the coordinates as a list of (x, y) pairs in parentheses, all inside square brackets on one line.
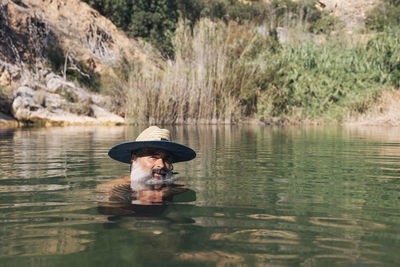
[(142, 180)]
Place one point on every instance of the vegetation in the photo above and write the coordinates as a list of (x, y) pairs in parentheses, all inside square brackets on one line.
[(229, 60), (227, 72), (152, 20), (62, 63), (155, 21), (386, 14)]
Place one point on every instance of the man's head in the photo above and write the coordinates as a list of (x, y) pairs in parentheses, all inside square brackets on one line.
[(151, 168)]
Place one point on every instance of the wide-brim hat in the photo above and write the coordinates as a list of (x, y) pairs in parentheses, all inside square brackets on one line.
[(152, 137)]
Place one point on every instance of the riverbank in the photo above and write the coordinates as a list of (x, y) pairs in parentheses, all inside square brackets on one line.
[(310, 63)]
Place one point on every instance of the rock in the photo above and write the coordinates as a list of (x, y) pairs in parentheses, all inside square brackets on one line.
[(40, 106), (8, 73), (24, 103), (24, 91), (55, 82), (105, 116)]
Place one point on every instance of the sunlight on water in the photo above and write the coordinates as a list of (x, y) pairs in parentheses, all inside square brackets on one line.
[(264, 195)]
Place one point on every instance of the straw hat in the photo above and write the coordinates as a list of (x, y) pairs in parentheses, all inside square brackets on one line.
[(152, 137)]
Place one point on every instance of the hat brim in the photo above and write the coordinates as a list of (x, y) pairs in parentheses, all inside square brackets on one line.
[(123, 152)]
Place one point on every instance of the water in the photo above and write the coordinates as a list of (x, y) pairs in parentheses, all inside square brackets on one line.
[(311, 196)]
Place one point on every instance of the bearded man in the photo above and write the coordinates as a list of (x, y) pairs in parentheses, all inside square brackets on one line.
[(152, 179)]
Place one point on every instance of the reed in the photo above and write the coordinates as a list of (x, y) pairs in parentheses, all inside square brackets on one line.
[(201, 84)]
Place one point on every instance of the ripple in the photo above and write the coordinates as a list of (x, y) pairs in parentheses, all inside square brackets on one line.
[(259, 236), (32, 188), (344, 223), (29, 204)]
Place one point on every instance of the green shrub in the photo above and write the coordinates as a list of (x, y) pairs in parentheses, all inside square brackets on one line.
[(329, 79), (152, 20), (84, 76), (56, 57), (386, 14)]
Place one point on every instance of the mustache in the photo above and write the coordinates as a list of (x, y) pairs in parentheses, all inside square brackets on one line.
[(163, 171)]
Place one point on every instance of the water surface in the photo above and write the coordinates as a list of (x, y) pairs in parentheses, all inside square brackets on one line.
[(281, 196)]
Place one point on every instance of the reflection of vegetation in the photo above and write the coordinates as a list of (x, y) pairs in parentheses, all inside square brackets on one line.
[(293, 167)]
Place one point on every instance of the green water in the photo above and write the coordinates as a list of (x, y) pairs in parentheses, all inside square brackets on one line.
[(264, 196)]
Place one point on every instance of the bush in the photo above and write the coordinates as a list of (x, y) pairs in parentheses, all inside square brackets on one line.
[(386, 14)]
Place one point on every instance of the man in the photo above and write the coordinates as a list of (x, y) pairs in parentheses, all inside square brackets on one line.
[(151, 157)]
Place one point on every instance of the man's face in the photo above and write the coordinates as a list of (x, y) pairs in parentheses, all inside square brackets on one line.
[(156, 162)]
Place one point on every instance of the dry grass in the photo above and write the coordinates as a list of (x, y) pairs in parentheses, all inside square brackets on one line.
[(385, 112)]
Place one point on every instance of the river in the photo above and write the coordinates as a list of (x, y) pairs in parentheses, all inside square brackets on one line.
[(311, 196)]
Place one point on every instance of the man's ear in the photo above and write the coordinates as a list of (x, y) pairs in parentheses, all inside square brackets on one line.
[(134, 158)]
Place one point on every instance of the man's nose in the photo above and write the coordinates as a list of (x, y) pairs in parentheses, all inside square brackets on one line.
[(160, 163)]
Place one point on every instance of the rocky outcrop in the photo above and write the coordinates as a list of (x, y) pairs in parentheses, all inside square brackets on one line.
[(61, 103)]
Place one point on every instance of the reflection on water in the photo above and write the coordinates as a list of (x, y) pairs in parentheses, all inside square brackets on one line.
[(264, 195)]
